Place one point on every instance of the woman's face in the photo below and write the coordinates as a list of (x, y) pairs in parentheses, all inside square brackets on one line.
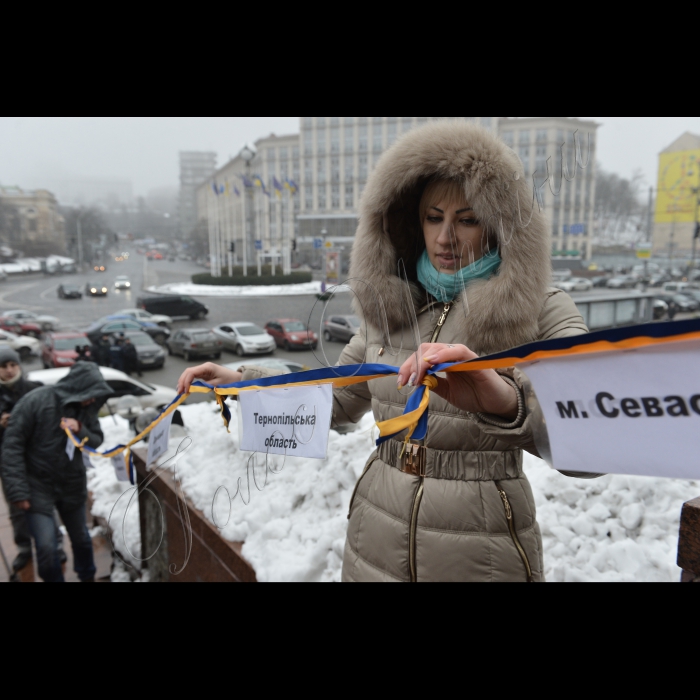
[(454, 237)]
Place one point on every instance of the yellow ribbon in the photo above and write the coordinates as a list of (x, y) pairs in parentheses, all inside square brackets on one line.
[(409, 421)]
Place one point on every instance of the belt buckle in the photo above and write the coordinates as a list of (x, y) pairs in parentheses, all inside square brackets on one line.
[(414, 461)]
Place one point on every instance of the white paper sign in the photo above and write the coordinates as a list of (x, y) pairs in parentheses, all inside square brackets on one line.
[(635, 412), (294, 422), (70, 449), (159, 440), (119, 465)]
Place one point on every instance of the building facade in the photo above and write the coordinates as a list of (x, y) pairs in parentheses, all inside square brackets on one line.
[(254, 205), (559, 157), (678, 198), (195, 168), (30, 220)]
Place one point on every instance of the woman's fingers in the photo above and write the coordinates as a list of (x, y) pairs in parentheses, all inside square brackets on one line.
[(413, 370), (447, 354)]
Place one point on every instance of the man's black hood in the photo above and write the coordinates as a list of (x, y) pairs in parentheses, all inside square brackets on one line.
[(84, 383)]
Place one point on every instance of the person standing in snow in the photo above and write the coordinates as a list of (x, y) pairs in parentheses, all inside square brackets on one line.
[(13, 386), (39, 476), (130, 358), (451, 205)]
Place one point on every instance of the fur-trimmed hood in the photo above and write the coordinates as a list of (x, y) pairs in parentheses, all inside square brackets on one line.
[(502, 312)]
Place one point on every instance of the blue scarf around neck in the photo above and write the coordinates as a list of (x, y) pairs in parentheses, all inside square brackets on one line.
[(445, 288)]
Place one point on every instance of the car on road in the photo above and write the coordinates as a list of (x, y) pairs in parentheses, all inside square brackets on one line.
[(69, 291), (20, 327), (292, 334), (59, 349), (684, 304), (692, 294), (122, 283), (575, 284), (194, 343), (116, 325), (23, 345), (659, 280), (625, 282), (100, 268), (342, 328), (174, 306), (46, 323), (245, 339), (660, 309), (148, 395), (680, 287), (150, 354), (141, 315), (95, 290), (600, 281)]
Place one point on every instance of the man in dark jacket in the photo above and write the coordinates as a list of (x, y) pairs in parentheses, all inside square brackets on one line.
[(101, 352), (38, 474), (13, 386), (130, 358)]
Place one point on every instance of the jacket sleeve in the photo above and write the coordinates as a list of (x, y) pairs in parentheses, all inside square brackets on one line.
[(351, 403), (559, 319), (92, 430), (13, 464)]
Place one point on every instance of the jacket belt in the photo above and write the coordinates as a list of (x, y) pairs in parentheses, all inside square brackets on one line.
[(452, 465)]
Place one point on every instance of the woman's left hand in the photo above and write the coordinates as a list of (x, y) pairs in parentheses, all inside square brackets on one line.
[(474, 392)]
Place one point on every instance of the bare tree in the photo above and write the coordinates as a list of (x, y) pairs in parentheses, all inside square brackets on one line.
[(620, 213), (96, 235)]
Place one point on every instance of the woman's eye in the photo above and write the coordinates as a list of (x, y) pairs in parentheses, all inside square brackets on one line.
[(470, 222), (435, 219)]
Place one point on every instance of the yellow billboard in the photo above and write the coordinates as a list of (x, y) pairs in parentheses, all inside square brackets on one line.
[(679, 178)]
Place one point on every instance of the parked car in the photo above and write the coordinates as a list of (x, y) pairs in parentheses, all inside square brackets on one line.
[(174, 306), (685, 304), (626, 282), (95, 290), (66, 291), (343, 328), (680, 287), (46, 323), (692, 294), (292, 334), (601, 280), (245, 339), (196, 342), (20, 327), (148, 395), (122, 283), (659, 280), (575, 284), (115, 325), (59, 349), (23, 345), (150, 354), (144, 316)]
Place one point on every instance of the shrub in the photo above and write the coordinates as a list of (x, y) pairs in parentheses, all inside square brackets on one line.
[(238, 280)]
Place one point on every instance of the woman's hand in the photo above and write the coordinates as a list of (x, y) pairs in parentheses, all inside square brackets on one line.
[(474, 392), (216, 375), (70, 424)]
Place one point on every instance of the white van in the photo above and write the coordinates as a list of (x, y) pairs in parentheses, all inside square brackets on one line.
[(680, 287)]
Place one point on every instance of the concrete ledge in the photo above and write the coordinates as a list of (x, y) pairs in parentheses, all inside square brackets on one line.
[(689, 542)]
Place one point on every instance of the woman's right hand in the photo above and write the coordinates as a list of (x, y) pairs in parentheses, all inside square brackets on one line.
[(212, 374)]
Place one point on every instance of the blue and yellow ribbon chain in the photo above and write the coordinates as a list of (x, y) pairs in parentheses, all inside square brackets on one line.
[(415, 417)]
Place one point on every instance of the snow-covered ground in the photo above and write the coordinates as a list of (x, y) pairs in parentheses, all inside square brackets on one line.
[(21, 265), (611, 529), (203, 290)]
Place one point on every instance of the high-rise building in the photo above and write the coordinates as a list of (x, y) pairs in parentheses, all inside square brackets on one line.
[(195, 168), (338, 154), (559, 157), (678, 199)]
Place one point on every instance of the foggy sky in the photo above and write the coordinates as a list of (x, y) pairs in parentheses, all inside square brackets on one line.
[(144, 150)]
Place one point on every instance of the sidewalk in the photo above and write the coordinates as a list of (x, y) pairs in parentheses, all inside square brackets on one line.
[(103, 552)]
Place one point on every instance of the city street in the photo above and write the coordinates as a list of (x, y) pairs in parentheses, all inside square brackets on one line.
[(39, 295)]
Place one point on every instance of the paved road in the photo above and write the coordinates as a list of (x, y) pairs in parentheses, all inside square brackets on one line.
[(39, 295)]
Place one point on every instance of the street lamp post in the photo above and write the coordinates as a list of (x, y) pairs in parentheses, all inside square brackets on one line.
[(247, 154), (80, 241)]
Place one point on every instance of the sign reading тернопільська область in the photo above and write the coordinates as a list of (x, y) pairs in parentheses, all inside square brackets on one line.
[(293, 422), (634, 412)]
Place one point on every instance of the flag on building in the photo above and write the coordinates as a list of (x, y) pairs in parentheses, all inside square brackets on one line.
[(246, 181), (277, 185), (294, 188)]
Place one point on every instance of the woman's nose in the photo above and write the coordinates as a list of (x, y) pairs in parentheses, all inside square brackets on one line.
[(447, 235)]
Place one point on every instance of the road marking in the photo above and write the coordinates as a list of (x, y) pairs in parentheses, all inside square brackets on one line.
[(19, 290)]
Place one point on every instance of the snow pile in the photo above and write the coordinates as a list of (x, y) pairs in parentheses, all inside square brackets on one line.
[(204, 290), (111, 500), (612, 529)]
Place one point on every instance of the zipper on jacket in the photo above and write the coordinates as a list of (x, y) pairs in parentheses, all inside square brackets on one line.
[(412, 544), (514, 533), (357, 485)]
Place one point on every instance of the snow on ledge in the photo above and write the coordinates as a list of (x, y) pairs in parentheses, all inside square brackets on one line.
[(204, 290)]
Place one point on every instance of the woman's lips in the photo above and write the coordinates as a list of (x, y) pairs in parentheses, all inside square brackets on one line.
[(447, 260)]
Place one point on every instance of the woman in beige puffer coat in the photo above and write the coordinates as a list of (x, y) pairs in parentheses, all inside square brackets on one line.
[(457, 506)]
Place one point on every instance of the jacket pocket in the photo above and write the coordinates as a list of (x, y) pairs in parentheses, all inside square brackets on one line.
[(510, 517), (357, 486)]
